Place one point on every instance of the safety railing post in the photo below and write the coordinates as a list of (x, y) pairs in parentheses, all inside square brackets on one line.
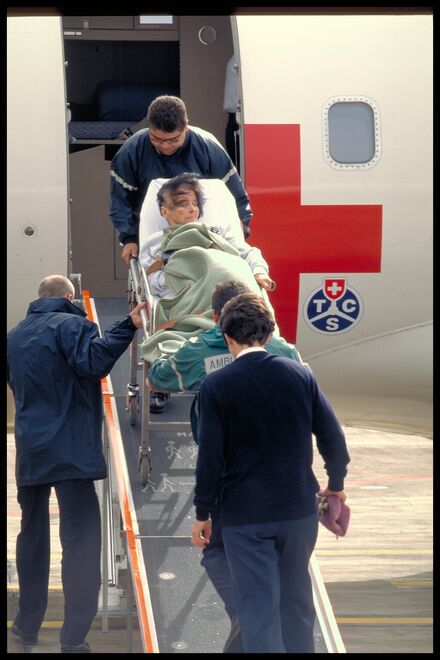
[(324, 611), (112, 445), (129, 613), (105, 529)]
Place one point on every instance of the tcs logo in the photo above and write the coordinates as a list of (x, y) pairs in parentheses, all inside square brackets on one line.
[(333, 308)]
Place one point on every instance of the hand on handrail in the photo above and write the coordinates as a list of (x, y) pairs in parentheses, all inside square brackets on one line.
[(136, 313), (129, 251)]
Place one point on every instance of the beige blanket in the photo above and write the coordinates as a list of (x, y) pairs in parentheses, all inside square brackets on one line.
[(198, 260)]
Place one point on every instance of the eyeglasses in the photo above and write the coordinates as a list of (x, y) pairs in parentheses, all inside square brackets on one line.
[(172, 140)]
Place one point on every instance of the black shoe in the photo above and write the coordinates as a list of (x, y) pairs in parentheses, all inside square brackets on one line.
[(79, 648), (28, 639), (158, 402)]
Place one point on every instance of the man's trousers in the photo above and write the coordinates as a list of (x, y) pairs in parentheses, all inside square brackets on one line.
[(80, 535), (272, 587), (216, 565)]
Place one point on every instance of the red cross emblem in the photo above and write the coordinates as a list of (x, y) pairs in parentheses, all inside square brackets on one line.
[(296, 238), (335, 288)]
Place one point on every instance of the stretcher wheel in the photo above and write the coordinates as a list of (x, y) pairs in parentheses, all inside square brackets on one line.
[(132, 407), (144, 468)]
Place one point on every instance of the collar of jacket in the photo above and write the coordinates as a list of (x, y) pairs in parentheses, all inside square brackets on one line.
[(46, 305)]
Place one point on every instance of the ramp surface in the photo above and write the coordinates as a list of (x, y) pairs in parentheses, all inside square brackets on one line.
[(189, 615)]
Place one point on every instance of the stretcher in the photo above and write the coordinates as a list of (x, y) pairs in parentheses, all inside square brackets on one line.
[(162, 334)]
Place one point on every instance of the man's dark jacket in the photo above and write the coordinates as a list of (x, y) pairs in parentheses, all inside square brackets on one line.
[(56, 360)]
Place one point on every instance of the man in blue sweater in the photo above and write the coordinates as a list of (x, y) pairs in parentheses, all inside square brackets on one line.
[(56, 360), (185, 370), (256, 447), (169, 146)]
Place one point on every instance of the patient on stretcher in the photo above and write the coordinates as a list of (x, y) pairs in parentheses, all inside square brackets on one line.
[(180, 201)]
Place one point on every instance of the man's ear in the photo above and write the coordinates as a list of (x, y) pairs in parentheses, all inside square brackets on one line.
[(268, 338), (233, 347), (228, 340)]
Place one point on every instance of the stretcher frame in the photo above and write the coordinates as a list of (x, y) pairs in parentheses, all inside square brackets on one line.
[(219, 202), (138, 396)]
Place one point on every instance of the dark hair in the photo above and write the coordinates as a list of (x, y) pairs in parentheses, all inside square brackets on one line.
[(224, 291), (167, 113), (246, 319), (179, 184)]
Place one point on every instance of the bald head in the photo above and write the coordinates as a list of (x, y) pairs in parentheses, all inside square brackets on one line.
[(56, 286)]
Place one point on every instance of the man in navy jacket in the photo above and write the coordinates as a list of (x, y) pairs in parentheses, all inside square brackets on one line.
[(56, 360), (169, 146), (256, 447)]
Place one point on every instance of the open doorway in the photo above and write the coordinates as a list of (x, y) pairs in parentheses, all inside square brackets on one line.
[(115, 66)]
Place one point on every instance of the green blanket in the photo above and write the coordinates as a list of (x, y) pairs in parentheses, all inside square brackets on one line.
[(198, 260)]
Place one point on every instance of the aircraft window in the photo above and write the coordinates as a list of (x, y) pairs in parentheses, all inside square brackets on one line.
[(351, 133)]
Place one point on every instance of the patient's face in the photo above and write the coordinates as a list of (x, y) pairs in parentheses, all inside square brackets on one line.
[(182, 209)]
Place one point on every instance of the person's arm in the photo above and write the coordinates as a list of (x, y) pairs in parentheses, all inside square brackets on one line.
[(135, 314), (223, 168), (265, 281), (210, 463), (253, 256), (124, 189), (129, 251), (339, 493), (158, 285), (201, 532), (150, 254), (183, 371), (86, 352), (162, 377), (330, 440), (279, 346), (242, 200)]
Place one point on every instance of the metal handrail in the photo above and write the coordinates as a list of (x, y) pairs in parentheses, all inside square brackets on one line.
[(324, 611), (128, 516), (142, 293)]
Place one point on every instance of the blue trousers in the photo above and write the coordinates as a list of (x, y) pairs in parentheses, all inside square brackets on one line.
[(272, 587), (80, 535), (216, 565)]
